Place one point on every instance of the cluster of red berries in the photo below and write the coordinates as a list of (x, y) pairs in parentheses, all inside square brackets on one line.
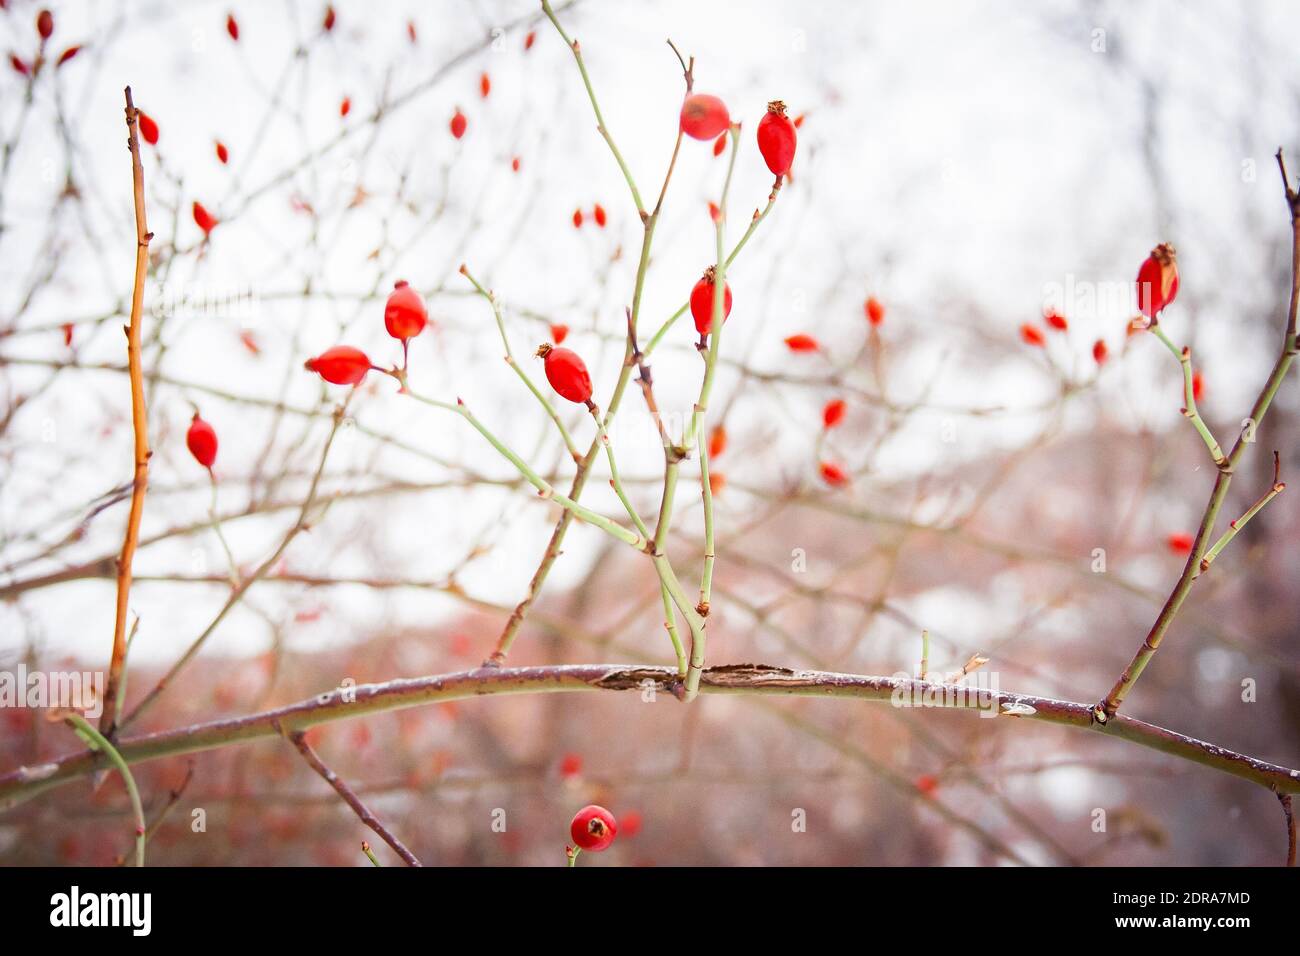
[(44, 30), (405, 317), (706, 117), (598, 216), (1157, 286)]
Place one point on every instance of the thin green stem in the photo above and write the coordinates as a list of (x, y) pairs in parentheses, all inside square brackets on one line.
[(545, 488), (524, 376), (365, 848), (213, 515), (595, 106), (706, 494), (1236, 525), (1184, 357), (670, 623), (615, 480), (97, 741), (753, 226)]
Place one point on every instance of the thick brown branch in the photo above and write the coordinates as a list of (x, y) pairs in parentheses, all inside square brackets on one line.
[(343, 703)]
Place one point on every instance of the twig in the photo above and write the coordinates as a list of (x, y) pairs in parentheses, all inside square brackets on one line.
[(97, 741), (139, 425), (1110, 704), (1237, 524), (524, 376), (1288, 814), (299, 740)]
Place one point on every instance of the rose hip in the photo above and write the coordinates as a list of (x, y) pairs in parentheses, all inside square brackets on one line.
[(593, 828), (704, 116), (405, 315), (1032, 335), (875, 312), (1157, 280), (204, 219), (777, 138), (1099, 351), (201, 439), (833, 413), (1055, 320), (232, 26), (559, 332), (801, 343), (148, 128), (340, 365), (567, 373), (833, 474), (702, 302), (45, 24), (458, 124)]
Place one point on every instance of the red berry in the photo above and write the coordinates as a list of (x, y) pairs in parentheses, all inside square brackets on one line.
[(833, 474), (19, 66), (1198, 386), (599, 215), (1180, 543), (704, 116), (798, 120), (715, 212), (833, 413), (458, 124), (45, 24), (702, 302), (1032, 335), (874, 310), (67, 334), (559, 333), (801, 343), (570, 765), (719, 145), (328, 22), (249, 340), (1055, 320), (410, 30), (717, 481), (68, 54), (1157, 281), (567, 373), (201, 440), (148, 128), (223, 154), (204, 219), (577, 219), (346, 106), (530, 39), (927, 784), (340, 365), (232, 26), (484, 85), (776, 138), (405, 315), (717, 442), (593, 828), (514, 164), (1099, 351), (631, 824)]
